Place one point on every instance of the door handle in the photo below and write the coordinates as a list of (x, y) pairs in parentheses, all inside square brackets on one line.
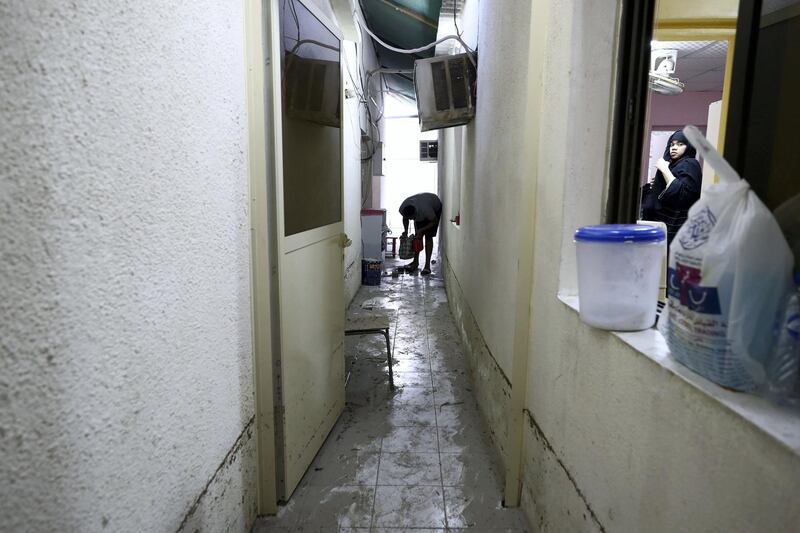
[(346, 242)]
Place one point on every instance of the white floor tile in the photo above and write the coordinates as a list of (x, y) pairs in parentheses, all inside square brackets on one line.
[(353, 468), (461, 439), (481, 509), (472, 470), (410, 468), (411, 439), (409, 507), (413, 379), (407, 530), (333, 507), (412, 363)]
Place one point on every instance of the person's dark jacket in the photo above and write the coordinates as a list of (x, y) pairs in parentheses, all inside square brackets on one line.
[(670, 205)]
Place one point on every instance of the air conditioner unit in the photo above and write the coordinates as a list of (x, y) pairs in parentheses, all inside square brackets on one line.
[(312, 90), (444, 91), (428, 150)]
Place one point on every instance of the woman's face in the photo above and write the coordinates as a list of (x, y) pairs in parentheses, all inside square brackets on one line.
[(676, 149)]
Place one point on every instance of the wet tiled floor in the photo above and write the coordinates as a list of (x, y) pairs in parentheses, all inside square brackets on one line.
[(416, 458)]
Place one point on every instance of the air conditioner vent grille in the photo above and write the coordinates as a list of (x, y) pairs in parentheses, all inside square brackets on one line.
[(440, 92), (428, 150), (458, 82)]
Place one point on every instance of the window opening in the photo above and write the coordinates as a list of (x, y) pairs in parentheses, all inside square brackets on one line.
[(685, 86)]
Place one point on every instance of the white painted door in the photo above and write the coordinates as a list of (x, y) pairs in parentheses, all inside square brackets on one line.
[(309, 360)]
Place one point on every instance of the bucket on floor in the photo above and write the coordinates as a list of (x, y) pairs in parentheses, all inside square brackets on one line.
[(371, 272), (619, 266)]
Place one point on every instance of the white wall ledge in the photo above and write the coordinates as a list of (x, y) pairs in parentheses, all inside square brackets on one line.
[(780, 423)]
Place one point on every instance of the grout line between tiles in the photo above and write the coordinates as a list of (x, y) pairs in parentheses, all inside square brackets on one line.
[(375, 492), (435, 414), (380, 450)]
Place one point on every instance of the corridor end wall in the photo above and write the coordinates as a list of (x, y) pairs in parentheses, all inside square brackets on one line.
[(126, 399)]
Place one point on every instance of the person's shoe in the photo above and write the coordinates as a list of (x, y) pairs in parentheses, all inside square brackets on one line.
[(410, 268), (426, 272)]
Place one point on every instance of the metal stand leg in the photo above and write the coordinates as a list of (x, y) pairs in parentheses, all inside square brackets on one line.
[(389, 356), (385, 333)]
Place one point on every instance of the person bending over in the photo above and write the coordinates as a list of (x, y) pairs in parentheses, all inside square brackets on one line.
[(425, 209)]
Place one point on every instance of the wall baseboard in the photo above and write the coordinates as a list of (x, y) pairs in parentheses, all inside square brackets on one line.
[(228, 502), (551, 498), (491, 386)]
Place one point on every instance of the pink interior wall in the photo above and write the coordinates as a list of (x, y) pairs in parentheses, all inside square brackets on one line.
[(674, 112), (678, 111)]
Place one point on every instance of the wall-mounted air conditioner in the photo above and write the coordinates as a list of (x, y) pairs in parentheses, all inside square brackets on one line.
[(312, 89), (444, 91)]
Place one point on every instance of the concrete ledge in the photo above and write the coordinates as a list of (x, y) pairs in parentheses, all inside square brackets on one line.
[(780, 423), (632, 444)]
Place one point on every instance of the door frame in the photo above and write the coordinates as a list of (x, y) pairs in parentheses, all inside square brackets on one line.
[(260, 159)]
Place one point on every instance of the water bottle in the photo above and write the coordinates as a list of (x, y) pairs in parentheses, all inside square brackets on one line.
[(783, 374)]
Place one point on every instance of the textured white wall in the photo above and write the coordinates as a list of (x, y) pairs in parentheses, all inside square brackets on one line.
[(355, 120), (483, 251), (125, 354), (613, 440), (351, 135)]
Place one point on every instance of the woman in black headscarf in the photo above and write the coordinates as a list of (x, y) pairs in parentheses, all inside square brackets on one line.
[(668, 196)]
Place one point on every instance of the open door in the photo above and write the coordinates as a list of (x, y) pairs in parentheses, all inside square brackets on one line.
[(307, 99)]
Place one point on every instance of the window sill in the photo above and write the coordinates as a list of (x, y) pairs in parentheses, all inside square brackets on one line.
[(780, 423)]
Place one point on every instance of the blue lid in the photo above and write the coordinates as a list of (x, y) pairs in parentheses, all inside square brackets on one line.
[(620, 233)]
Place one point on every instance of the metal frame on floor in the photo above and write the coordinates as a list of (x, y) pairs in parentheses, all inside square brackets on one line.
[(385, 333)]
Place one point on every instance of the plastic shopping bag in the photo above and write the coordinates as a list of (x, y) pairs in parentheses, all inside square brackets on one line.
[(405, 250), (729, 274)]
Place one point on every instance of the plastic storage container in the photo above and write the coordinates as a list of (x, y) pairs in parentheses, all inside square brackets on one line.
[(619, 266), (371, 272), (373, 235)]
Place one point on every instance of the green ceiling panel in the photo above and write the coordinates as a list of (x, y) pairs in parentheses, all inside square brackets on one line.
[(404, 24)]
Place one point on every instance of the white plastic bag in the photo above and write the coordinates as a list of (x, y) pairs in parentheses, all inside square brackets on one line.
[(729, 273)]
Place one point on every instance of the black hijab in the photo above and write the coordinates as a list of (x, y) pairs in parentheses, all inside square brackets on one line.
[(671, 205)]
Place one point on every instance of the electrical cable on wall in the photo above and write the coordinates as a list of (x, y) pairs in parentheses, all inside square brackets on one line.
[(469, 50)]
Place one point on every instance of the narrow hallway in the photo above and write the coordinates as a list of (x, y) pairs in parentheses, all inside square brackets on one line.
[(414, 458)]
